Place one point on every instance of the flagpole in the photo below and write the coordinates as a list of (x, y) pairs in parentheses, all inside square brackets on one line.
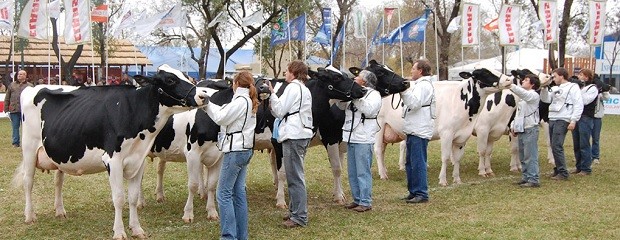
[(49, 46), (400, 35), (344, 42), (436, 46), (366, 37), (92, 44), (260, 51), (383, 34), (305, 59), (288, 34)]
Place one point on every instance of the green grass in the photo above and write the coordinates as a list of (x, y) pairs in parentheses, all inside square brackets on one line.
[(480, 208)]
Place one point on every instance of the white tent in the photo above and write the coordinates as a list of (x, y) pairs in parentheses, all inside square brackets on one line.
[(523, 58)]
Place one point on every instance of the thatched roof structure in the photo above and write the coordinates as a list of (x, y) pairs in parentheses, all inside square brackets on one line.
[(37, 51)]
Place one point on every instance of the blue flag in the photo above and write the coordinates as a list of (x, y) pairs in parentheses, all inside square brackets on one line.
[(412, 31), (296, 28), (337, 43), (375, 41), (324, 35)]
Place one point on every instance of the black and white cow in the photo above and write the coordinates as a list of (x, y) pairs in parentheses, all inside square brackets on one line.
[(88, 130), (458, 104)]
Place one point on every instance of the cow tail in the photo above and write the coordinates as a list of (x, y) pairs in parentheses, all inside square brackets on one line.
[(18, 178)]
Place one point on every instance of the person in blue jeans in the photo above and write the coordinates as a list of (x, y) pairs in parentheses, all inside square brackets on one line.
[(237, 121), (599, 112), (525, 126), (419, 115), (12, 105), (585, 126), (359, 130)]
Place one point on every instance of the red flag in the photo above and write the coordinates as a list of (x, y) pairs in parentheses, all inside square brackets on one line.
[(492, 25), (100, 14), (388, 12)]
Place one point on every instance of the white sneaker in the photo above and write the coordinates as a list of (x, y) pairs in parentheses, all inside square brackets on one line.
[(596, 161)]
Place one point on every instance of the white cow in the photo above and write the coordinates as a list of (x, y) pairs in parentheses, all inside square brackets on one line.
[(458, 104), (94, 129)]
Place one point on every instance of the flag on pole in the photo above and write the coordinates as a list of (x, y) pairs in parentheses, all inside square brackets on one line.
[(6, 15), (549, 16), (338, 41), (145, 26), (296, 27), (375, 41), (220, 18), (597, 22), (100, 14), (54, 7), (359, 23), (174, 18), (123, 22), (492, 25), (454, 25), (470, 24), (324, 35), (33, 20), (256, 17), (537, 26), (509, 25), (413, 31), (388, 12), (77, 22)]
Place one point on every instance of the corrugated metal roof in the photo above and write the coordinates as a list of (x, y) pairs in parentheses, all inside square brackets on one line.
[(36, 53)]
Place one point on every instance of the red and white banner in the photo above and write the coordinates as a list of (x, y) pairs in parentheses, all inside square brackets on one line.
[(6, 15), (492, 25), (509, 25), (548, 13), (388, 12), (33, 21), (54, 7), (100, 14), (597, 23), (470, 24), (176, 17), (77, 21)]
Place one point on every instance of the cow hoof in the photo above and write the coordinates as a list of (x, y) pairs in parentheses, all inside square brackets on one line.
[(443, 184), (491, 174), (140, 236), (120, 237), (187, 220), (339, 201), (213, 218), (457, 182), (61, 215), (482, 174), (384, 177), (160, 199), (281, 206), (140, 206), (514, 170)]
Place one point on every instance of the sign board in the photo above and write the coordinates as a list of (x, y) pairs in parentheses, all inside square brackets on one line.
[(2, 113), (612, 105)]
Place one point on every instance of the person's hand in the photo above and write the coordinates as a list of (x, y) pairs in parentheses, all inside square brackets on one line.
[(270, 87), (513, 133), (571, 126)]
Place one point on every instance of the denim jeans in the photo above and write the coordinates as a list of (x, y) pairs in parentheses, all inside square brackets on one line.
[(415, 166), (359, 157), (528, 153), (16, 119), (581, 143), (293, 154), (557, 133), (596, 137), (231, 196)]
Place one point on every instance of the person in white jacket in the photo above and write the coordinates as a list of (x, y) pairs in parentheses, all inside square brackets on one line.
[(419, 115), (237, 122), (599, 112), (525, 125), (565, 110), (359, 130), (294, 108), (585, 125)]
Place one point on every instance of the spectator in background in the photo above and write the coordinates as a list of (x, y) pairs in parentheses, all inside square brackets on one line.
[(12, 103), (2, 87), (89, 82), (585, 125), (599, 112), (125, 80)]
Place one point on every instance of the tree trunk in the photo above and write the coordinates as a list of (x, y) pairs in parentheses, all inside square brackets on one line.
[(67, 68), (563, 31)]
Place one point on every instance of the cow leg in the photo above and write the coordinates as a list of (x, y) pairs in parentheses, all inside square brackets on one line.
[(333, 152), (159, 189), (457, 154), (515, 162), (380, 154), (487, 159), (545, 126), (446, 152), (134, 187), (279, 177), (194, 177), (213, 174), (59, 179), (482, 140), (118, 196), (25, 175), (204, 177), (402, 156)]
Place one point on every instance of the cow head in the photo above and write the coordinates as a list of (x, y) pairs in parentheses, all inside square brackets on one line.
[(174, 88), (339, 86), (388, 82), (519, 74), (489, 79)]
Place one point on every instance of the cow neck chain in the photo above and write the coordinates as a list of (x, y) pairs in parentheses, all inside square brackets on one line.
[(182, 101)]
